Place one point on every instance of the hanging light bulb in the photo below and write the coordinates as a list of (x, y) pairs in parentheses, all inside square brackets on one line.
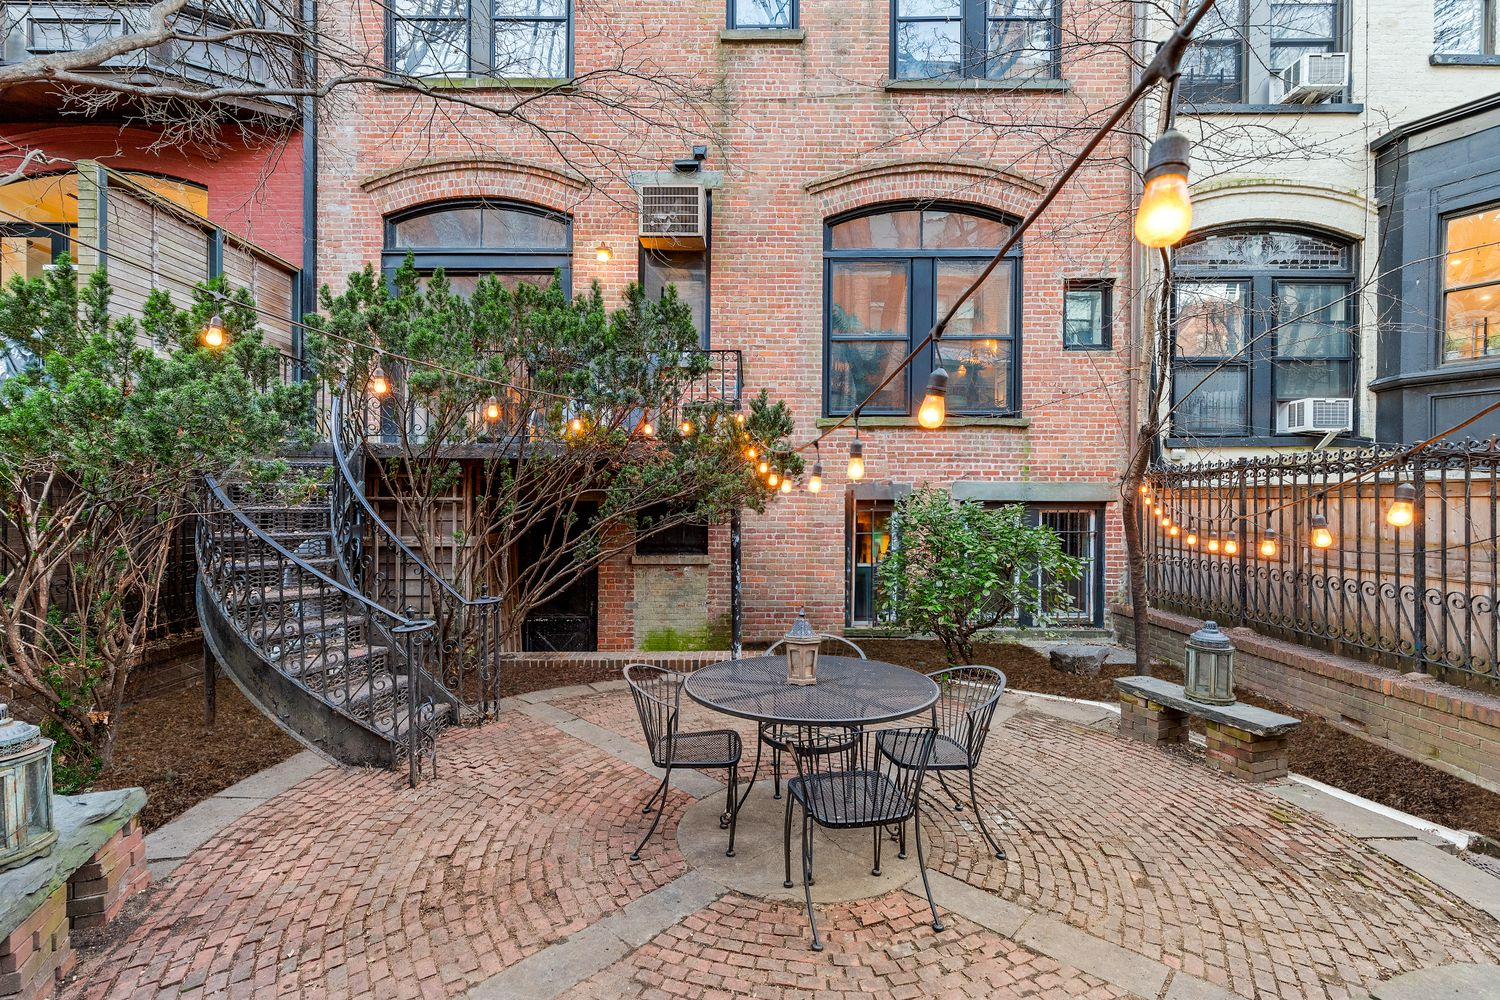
[(1165, 522), (1212, 545), (1166, 210), (786, 486), (815, 481), (648, 429), (1173, 531), (739, 418), (856, 459), (685, 428), (1403, 509), (1190, 540), (1269, 547), (1320, 537), (214, 336), (379, 385), (773, 480), (1145, 490), (575, 426), (1231, 544), (934, 405), (750, 454), (603, 254), (764, 467), (491, 410), (1158, 510)]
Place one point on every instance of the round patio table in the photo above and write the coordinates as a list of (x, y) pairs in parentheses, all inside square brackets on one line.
[(849, 692)]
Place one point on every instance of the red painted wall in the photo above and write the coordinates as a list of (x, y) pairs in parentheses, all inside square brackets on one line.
[(254, 190)]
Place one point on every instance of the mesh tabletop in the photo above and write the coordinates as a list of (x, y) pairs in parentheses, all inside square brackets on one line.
[(850, 691)]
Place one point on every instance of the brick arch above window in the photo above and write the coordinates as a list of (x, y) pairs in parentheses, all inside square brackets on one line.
[(1281, 202), (452, 178), (925, 179)]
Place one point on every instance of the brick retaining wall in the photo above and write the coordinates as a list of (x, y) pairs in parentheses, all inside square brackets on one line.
[(1449, 727)]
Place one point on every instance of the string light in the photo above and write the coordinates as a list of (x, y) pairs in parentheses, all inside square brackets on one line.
[(379, 385), (739, 418), (1321, 537), (786, 486), (1212, 545), (1158, 510), (1269, 548), (491, 410), (648, 429), (1403, 509), (750, 454), (773, 480), (214, 336), (815, 481), (1165, 522), (575, 426), (934, 404), (1191, 539), (1231, 544), (1166, 210), (1173, 531), (685, 428), (764, 467), (856, 458)]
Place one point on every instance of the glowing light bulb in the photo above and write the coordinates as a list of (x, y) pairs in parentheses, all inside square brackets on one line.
[(379, 385), (1320, 537), (491, 410), (773, 480), (1231, 545), (648, 429), (1190, 540), (575, 426), (815, 481), (1145, 490), (764, 467), (1403, 510), (1173, 531), (603, 254), (1165, 522), (685, 428), (1165, 213), (856, 460), (750, 455), (786, 486), (1268, 548), (739, 418), (934, 405), (1212, 545), (1158, 510), (214, 336)]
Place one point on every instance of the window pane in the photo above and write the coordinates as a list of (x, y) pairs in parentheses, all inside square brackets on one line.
[(1038, 9), (926, 49), (1296, 379), (688, 271), (1458, 26), (1474, 249), (452, 228), (762, 13), (1297, 21), (885, 231), (929, 8), (1209, 402), (1019, 49), (23, 257), (537, 49), (531, 8), (943, 230), (1473, 323), (430, 48), (985, 313), (464, 283), (1312, 321), (978, 374), (1210, 318), (430, 8), (513, 228), (1283, 54), (856, 367), (1083, 317), (1211, 73), (868, 299)]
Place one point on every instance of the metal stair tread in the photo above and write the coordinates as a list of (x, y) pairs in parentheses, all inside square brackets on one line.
[(331, 659)]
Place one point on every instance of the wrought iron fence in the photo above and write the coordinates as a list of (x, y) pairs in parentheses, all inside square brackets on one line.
[(1422, 596)]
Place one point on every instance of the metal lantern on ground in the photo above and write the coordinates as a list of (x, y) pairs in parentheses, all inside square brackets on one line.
[(1209, 676), (25, 792), (802, 652)]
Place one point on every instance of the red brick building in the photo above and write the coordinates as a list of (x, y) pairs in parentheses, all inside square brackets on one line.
[(861, 166)]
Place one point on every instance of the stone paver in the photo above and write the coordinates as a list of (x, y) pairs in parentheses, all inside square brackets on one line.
[(1120, 857)]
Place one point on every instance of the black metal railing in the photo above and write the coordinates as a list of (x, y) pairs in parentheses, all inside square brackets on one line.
[(361, 660), (1422, 596)]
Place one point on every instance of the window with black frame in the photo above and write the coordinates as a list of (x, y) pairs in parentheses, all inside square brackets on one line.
[(511, 39), (658, 535), (889, 274), (1088, 315), (685, 270), (981, 39), (518, 242), (1259, 318), (1242, 44), (762, 13), (869, 541)]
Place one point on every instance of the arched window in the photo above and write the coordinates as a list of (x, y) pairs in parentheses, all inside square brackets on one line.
[(523, 243), (1260, 317), (888, 275)]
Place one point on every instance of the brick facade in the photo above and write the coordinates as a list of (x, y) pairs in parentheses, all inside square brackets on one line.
[(1449, 727), (808, 131)]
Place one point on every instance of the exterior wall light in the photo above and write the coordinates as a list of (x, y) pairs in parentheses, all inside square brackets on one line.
[(603, 254)]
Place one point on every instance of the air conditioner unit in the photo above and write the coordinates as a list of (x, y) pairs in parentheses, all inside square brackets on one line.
[(1312, 79), (674, 217), (1315, 415)]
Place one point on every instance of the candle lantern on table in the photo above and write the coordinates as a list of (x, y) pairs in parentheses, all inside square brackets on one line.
[(802, 652)]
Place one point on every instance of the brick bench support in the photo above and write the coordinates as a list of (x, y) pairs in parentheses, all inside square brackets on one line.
[(1243, 741)]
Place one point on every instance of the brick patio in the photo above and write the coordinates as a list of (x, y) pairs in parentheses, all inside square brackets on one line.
[(351, 885)]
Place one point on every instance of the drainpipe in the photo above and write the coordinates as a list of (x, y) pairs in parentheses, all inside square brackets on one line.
[(309, 282)]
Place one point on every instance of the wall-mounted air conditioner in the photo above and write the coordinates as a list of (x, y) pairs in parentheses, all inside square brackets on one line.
[(1312, 79), (1315, 415), (674, 217)]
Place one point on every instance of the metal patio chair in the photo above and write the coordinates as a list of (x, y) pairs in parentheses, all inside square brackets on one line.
[(658, 701), (962, 717), (845, 782), (774, 736)]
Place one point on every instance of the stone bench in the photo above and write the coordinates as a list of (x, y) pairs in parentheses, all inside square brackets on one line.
[(1243, 741)]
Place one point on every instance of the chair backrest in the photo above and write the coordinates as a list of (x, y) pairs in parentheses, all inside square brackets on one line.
[(966, 705), (658, 699), (775, 647), (848, 757)]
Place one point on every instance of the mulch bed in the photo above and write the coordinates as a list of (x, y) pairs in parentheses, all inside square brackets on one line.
[(164, 748)]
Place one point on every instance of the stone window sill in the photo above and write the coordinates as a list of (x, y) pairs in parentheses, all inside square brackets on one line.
[(1273, 109), (683, 559), (498, 83), (1011, 86), (1463, 59), (786, 35), (953, 421)]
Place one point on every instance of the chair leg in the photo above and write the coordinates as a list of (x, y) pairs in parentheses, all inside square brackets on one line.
[(957, 805), (776, 773), (979, 815), (651, 802), (916, 822), (876, 831), (901, 852), (734, 812), (812, 919), (788, 844), (754, 773), (666, 778)]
